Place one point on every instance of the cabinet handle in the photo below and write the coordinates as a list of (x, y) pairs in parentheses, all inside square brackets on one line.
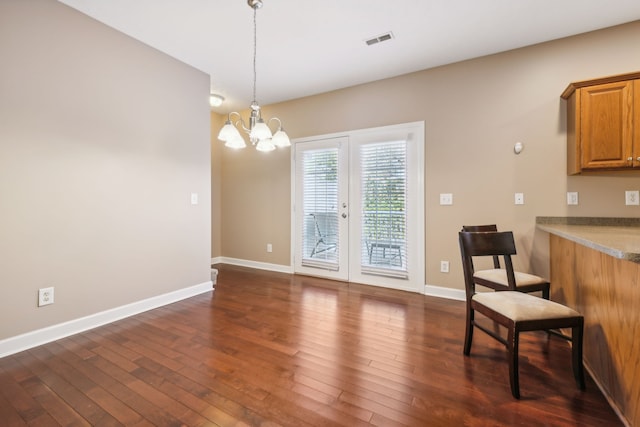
[(630, 159)]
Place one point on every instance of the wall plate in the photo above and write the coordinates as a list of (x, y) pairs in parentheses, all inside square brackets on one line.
[(45, 296), (519, 199), (446, 198), (632, 197)]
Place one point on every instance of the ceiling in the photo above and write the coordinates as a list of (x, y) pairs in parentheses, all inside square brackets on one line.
[(307, 47)]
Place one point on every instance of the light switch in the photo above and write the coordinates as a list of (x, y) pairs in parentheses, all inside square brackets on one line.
[(194, 198), (519, 199)]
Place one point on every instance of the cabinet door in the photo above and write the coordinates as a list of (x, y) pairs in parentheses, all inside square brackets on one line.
[(606, 133), (636, 123)]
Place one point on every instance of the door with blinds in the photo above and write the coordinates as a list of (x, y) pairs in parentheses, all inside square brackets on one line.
[(359, 207), (321, 211)]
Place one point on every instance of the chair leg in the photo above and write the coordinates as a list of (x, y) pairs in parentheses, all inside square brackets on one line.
[(468, 335), (576, 353), (545, 293), (512, 347)]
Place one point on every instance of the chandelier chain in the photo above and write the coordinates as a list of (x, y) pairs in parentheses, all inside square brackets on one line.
[(255, 43)]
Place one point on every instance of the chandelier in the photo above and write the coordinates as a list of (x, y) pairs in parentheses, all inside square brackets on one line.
[(258, 130)]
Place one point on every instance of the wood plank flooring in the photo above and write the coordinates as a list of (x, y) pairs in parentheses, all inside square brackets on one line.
[(271, 349)]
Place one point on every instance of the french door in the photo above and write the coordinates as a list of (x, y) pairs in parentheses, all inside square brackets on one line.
[(359, 206)]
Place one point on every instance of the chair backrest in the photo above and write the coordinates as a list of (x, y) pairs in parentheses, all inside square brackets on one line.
[(479, 244), (325, 224), (480, 229)]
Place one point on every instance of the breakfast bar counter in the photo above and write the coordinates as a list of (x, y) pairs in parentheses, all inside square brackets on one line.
[(618, 237), (595, 269)]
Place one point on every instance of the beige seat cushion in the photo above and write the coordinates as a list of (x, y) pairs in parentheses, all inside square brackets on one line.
[(499, 275), (519, 306)]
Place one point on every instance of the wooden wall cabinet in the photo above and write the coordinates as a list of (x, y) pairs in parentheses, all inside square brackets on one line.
[(603, 124)]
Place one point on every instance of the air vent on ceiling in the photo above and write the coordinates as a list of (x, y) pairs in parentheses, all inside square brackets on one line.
[(379, 39)]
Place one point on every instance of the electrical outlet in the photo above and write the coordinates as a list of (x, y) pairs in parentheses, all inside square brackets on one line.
[(269, 247), (519, 199), (631, 198), (45, 296), (444, 266), (446, 199), (572, 197)]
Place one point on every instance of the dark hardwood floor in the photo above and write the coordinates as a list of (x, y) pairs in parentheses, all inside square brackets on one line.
[(271, 349)]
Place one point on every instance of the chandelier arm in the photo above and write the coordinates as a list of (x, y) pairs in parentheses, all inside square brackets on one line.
[(275, 118), (240, 124), (232, 113)]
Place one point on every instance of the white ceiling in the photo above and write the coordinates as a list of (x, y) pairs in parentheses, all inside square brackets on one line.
[(307, 47)]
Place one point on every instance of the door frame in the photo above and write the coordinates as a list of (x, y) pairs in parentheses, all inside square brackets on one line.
[(416, 281)]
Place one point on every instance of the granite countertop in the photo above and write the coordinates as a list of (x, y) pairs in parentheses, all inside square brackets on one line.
[(618, 237)]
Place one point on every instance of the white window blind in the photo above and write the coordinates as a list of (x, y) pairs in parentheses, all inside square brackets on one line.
[(320, 206), (384, 218)]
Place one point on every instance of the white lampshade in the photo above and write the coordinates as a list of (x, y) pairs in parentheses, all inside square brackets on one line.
[(236, 142), (281, 139), (260, 131), (265, 145), (228, 131)]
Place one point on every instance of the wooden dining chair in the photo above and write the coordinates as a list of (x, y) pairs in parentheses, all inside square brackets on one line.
[(516, 311), (496, 278)]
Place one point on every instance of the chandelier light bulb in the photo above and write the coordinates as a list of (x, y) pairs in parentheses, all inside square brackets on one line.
[(236, 142), (281, 139), (227, 131), (265, 145), (260, 131)]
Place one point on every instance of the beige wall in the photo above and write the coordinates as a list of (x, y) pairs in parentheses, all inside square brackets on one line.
[(474, 112), (102, 141), (217, 121)]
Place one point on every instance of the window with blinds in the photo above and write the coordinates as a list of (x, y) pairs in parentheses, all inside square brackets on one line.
[(384, 219), (320, 206)]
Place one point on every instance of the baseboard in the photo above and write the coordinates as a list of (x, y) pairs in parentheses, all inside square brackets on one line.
[(38, 337), (606, 395), (434, 291), (447, 293), (255, 264)]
